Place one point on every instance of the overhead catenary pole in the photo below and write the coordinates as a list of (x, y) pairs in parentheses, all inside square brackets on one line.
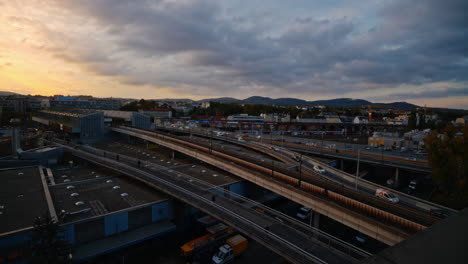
[(357, 171)]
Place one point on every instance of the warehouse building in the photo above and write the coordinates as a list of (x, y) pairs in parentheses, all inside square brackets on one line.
[(88, 125)]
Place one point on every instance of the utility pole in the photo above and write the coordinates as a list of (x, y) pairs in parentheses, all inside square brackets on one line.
[(272, 167), (300, 170), (357, 172), (211, 137)]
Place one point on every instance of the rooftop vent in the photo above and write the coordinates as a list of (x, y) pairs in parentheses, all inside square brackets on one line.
[(74, 194), (79, 203), (69, 187), (109, 181), (116, 187), (124, 194)]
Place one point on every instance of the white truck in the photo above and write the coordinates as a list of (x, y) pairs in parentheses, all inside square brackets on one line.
[(234, 246)]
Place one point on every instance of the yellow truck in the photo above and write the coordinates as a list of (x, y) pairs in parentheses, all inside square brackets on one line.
[(215, 236), (234, 246)]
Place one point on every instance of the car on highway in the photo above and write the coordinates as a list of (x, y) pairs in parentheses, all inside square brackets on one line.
[(319, 169), (438, 213), (361, 238), (303, 213), (412, 186), (387, 195)]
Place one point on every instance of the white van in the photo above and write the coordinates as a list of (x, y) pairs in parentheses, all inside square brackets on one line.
[(386, 194)]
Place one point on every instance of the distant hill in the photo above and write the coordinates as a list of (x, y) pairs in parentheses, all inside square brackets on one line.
[(5, 93), (339, 102), (222, 100), (403, 105)]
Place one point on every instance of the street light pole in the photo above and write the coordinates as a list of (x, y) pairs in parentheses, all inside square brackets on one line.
[(300, 170), (211, 137), (357, 171)]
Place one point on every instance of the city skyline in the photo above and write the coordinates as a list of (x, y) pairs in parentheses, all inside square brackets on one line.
[(381, 51)]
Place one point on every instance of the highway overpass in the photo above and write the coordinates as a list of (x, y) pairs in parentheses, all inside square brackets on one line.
[(288, 156), (382, 220)]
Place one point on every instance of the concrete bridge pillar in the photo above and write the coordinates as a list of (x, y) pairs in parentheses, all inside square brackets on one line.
[(397, 177), (315, 220), (173, 154)]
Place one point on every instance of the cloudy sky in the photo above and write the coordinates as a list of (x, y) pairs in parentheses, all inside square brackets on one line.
[(379, 50)]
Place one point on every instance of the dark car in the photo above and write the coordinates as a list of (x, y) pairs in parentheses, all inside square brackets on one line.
[(438, 213)]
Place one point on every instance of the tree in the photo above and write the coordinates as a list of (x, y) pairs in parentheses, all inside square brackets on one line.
[(412, 121), (448, 157), (47, 243)]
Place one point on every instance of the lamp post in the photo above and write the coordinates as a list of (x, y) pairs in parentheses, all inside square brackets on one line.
[(300, 169), (357, 171), (211, 136), (321, 148)]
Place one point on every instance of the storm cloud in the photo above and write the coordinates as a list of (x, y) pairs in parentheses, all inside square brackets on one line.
[(209, 48)]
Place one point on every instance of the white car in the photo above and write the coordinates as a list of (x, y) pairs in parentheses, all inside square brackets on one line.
[(319, 169)]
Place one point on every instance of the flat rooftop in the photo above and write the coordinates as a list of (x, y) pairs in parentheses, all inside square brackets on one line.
[(100, 196), (22, 198), (80, 172)]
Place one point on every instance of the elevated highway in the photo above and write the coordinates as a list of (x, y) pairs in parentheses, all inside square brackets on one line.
[(298, 244), (320, 147), (379, 219), (289, 156)]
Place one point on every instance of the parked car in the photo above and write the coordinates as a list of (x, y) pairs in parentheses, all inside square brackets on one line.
[(303, 213), (319, 169), (386, 194)]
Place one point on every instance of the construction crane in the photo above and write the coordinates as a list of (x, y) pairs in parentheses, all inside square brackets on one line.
[(369, 109)]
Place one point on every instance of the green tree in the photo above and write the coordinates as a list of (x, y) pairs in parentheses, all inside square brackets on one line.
[(448, 157), (47, 243)]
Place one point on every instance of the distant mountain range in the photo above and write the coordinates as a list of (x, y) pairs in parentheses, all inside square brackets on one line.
[(339, 102)]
